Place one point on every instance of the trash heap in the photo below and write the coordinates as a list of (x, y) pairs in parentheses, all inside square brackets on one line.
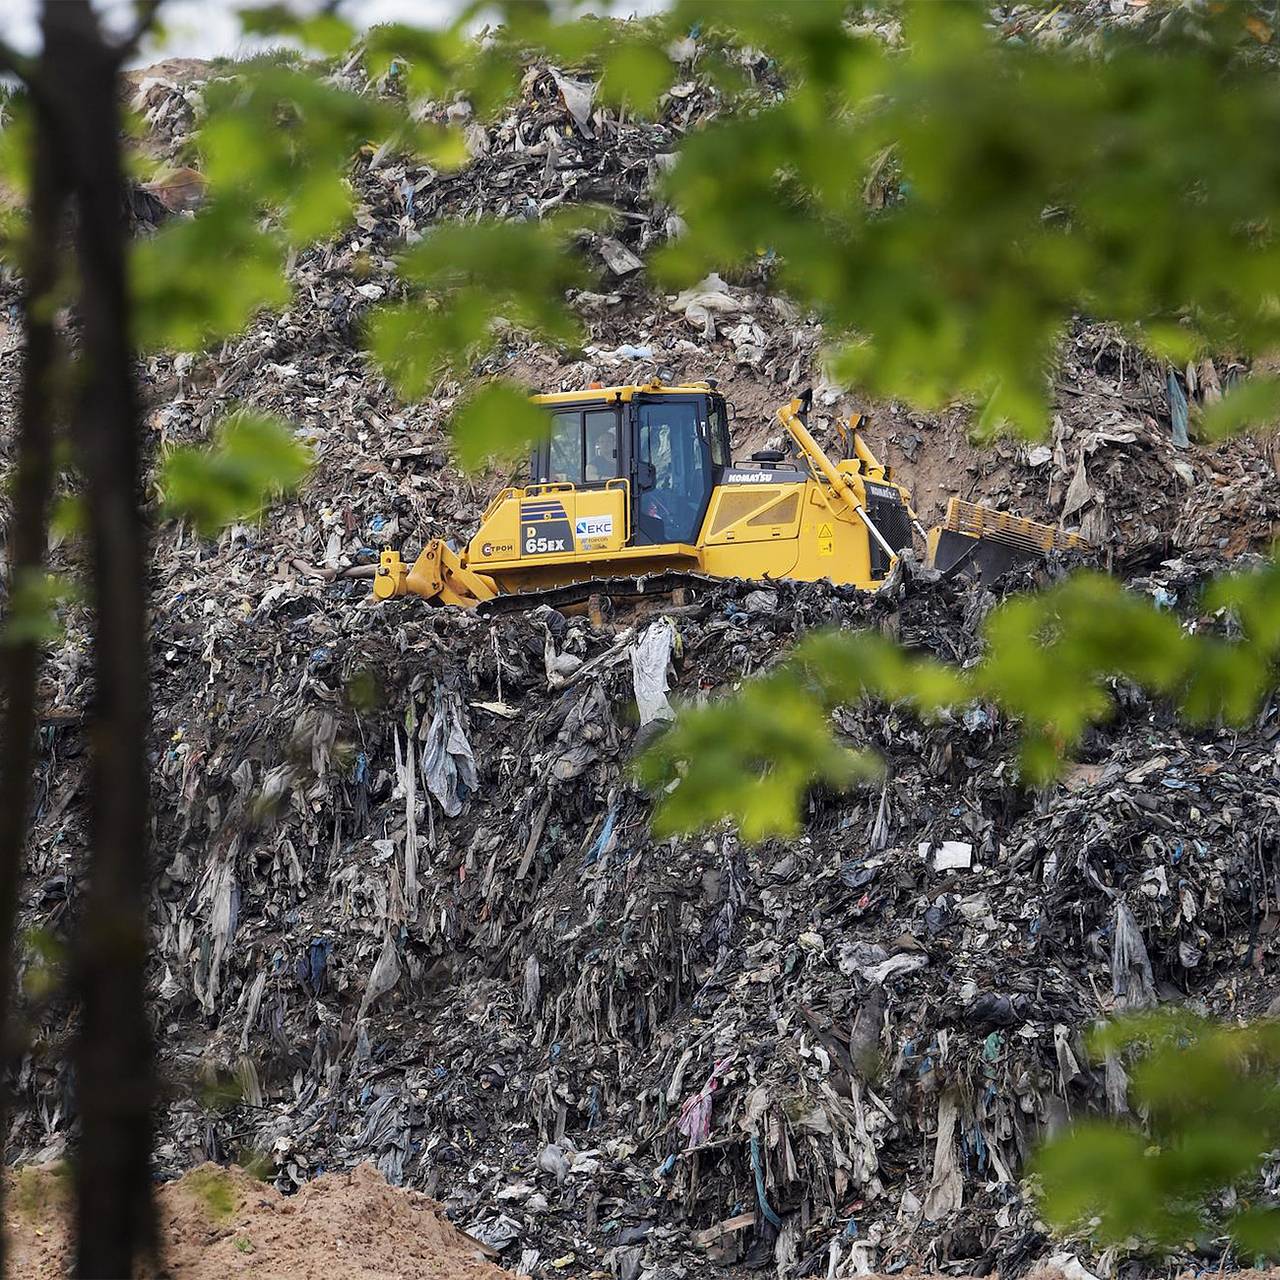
[(408, 905), (1110, 466)]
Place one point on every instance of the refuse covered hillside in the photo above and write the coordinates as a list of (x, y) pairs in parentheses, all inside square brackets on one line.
[(407, 904)]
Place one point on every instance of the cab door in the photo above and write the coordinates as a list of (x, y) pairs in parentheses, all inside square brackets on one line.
[(671, 468)]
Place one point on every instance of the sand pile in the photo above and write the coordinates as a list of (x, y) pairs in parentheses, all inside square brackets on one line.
[(217, 1223)]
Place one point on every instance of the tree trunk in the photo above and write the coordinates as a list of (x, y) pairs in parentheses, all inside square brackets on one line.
[(27, 537), (114, 1068)]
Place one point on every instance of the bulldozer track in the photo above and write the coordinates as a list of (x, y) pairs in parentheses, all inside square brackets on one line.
[(625, 592)]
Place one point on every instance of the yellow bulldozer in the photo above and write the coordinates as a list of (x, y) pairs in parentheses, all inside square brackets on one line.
[(634, 489)]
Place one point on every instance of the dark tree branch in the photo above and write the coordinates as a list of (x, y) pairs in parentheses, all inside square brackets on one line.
[(113, 1054), (27, 538)]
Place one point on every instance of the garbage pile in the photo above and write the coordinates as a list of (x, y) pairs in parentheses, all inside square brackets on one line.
[(408, 906), (1114, 465), (408, 903)]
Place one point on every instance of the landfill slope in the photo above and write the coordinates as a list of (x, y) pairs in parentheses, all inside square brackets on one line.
[(407, 907), (430, 928)]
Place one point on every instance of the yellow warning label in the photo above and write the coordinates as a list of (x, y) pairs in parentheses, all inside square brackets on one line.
[(824, 531), (826, 540)]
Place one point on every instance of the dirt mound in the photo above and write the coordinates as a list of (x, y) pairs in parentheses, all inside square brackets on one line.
[(218, 1222)]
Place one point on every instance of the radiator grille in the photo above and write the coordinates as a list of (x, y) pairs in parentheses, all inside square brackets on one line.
[(894, 524), (737, 503)]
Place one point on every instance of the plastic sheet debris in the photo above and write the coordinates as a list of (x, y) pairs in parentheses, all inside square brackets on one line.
[(650, 657), (950, 855), (447, 759)]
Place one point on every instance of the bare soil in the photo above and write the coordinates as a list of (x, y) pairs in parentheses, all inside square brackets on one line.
[(216, 1223)]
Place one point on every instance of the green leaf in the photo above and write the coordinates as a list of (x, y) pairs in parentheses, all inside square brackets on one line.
[(1256, 1232), (202, 279), (17, 140), (636, 75), (444, 148), (847, 666), (750, 758), (1254, 403), (1096, 1169), (326, 33), (1049, 662), (34, 599), (321, 202), (281, 141), (498, 421), (1212, 1107), (475, 280), (253, 458), (416, 343), (67, 519)]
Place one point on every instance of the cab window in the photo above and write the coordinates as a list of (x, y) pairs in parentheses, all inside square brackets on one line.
[(719, 430), (565, 450), (600, 437), (673, 485), (583, 446)]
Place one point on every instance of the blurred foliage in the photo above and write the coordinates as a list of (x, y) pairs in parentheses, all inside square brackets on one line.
[(17, 137), (45, 963), (257, 1164), (710, 764), (1255, 403), (364, 691), (1026, 184), (471, 282), (275, 148), (219, 1090), (1210, 1095), (203, 278), (1050, 660), (254, 457), (32, 613), (40, 1191), (496, 421)]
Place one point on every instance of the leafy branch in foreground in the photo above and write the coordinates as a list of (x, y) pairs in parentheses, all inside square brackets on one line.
[(1035, 183), (254, 457), (947, 207), (1049, 661), (1210, 1094)]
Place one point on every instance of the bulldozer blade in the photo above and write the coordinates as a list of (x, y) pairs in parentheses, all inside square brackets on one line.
[(980, 558)]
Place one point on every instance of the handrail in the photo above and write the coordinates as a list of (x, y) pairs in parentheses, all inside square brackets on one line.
[(499, 498), (625, 485), (550, 486)]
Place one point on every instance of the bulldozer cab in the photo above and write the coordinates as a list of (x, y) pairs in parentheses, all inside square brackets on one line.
[(666, 445)]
